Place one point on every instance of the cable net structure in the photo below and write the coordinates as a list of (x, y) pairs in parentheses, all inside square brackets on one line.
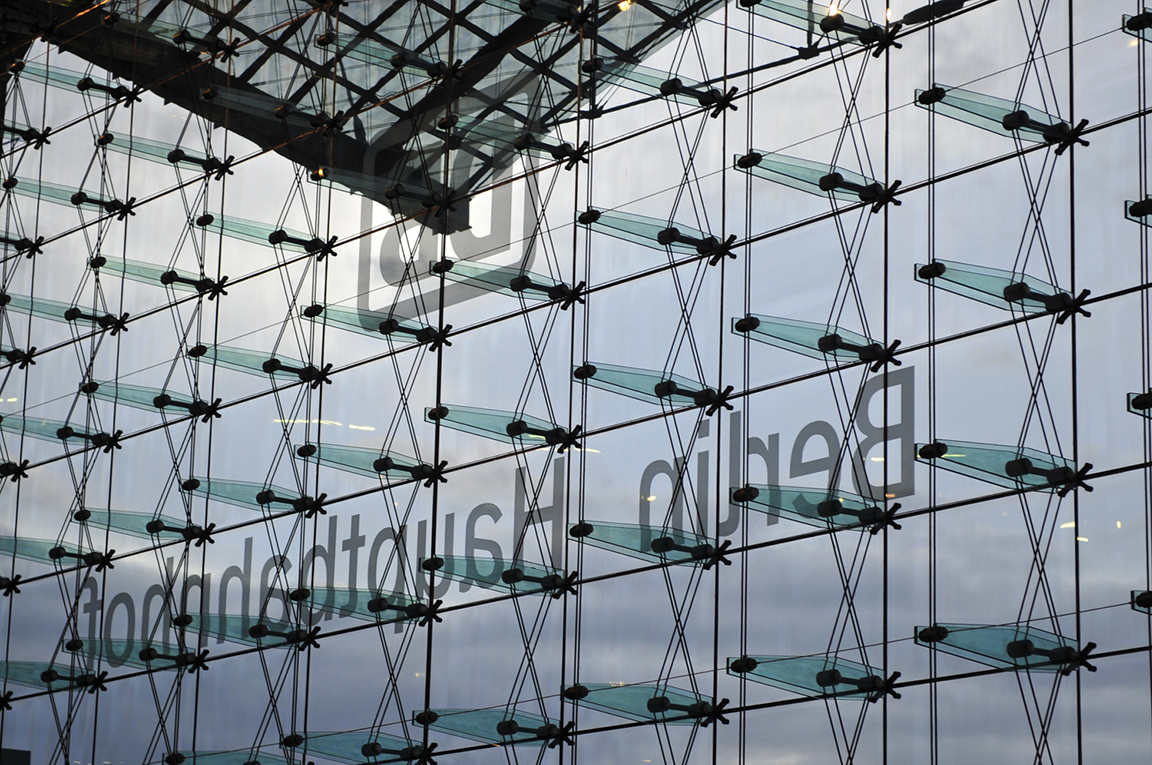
[(537, 381)]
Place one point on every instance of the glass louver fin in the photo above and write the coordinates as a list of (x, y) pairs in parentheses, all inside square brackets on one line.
[(65, 195), (660, 83), (1012, 467), (28, 673), (56, 76), (141, 525), (50, 309), (259, 233), (495, 726), (996, 115), (371, 323), (1006, 290), (503, 575), (51, 430), (244, 493), (362, 460), (362, 747), (1138, 25), (367, 605), (650, 232), (641, 384), (131, 652), (820, 178), (506, 280), (809, 675), (147, 273), (254, 362), (242, 757), (813, 17), (250, 630), (1022, 647), (808, 338), (140, 397), (498, 425), (157, 151), (647, 543), (646, 703), (813, 507), (1140, 403), (1141, 600), (1139, 212), (508, 136), (37, 550)]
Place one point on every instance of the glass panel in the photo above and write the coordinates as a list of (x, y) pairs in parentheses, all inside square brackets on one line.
[(45, 309), (988, 112), (373, 323), (1137, 26), (494, 726), (26, 673), (54, 192), (498, 425), (243, 757), (507, 576), (48, 430), (813, 507), (648, 543), (130, 652), (808, 675), (646, 703), (657, 82), (362, 460), (132, 524), (157, 151), (506, 280), (139, 397), (807, 338), (1002, 289), (640, 229), (146, 273), (510, 136), (35, 550), (811, 17), (1009, 466), (1141, 600), (813, 177), (368, 605), (241, 629), (652, 387), (1023, 647), (349, 747), (261, 363), (242, 493), (251, 231)]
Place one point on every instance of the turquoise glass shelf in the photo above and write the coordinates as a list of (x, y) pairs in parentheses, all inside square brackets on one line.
[(51, 430), (27, 673), (503, 575), (51, 309), (244, 757), (641, 384), (651, 232), (1021, 647), (259, 363), (362, 460), (808, 338), (656, 82), (1008, 466), (643, 703), (354, 748), (506, 280), (1138, 26), (494, 726), (63, 195), (35, 550), (129, 652), (809, 16), (132, 524), (239, 629), (499, 425), (647, 543), (996, 115), (819, 178), (151, 399), (810, 675), (244, 493), (157, 276), (991, 286), (1141, 600), (814, 507), (259, 233), (373, 323), (366, 605)]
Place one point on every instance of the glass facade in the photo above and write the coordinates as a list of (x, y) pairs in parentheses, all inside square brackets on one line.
[(482, 381)]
